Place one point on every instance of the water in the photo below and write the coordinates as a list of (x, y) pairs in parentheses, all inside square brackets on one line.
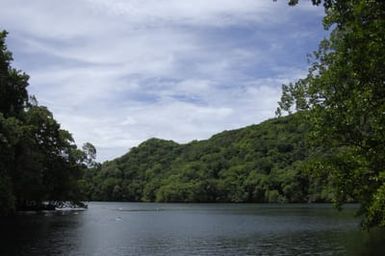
[(190, 229)]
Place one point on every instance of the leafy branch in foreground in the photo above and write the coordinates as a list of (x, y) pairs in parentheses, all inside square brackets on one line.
[(343, 96)]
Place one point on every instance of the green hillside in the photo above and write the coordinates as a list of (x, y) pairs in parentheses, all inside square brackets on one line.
[(258, 163)]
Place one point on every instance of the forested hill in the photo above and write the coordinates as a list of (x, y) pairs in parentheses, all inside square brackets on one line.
[(258, 163)]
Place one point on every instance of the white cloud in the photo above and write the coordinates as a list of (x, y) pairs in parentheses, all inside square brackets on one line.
[(198, 12), (118, 72)]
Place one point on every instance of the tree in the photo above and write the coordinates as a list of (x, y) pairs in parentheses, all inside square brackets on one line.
[(89, 151), (343, 96), (13, 97), (13, 83), (38, 160)]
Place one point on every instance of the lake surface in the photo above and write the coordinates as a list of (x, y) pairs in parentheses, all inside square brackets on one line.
[(190, 229)]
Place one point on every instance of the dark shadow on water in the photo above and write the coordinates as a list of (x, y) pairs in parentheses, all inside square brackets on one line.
[(39, 234), (190, 229)]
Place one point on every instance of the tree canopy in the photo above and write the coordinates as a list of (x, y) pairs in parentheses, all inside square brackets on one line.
[(39, 161), (343, 97)]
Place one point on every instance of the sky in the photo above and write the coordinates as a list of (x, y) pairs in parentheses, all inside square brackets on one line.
[(118, 72)]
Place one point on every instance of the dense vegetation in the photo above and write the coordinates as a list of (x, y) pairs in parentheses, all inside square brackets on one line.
[(259, 163), (343, 95), (39, 161)]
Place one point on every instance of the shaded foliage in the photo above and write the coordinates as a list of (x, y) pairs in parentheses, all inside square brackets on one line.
[(39, 161), (343, 95)]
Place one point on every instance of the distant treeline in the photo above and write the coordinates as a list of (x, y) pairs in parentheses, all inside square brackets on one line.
[(259, 163)]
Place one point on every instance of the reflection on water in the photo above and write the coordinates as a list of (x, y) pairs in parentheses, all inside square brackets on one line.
[(190, 229)]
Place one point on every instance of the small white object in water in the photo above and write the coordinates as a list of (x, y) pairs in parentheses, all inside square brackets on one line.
[(70, 209)]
